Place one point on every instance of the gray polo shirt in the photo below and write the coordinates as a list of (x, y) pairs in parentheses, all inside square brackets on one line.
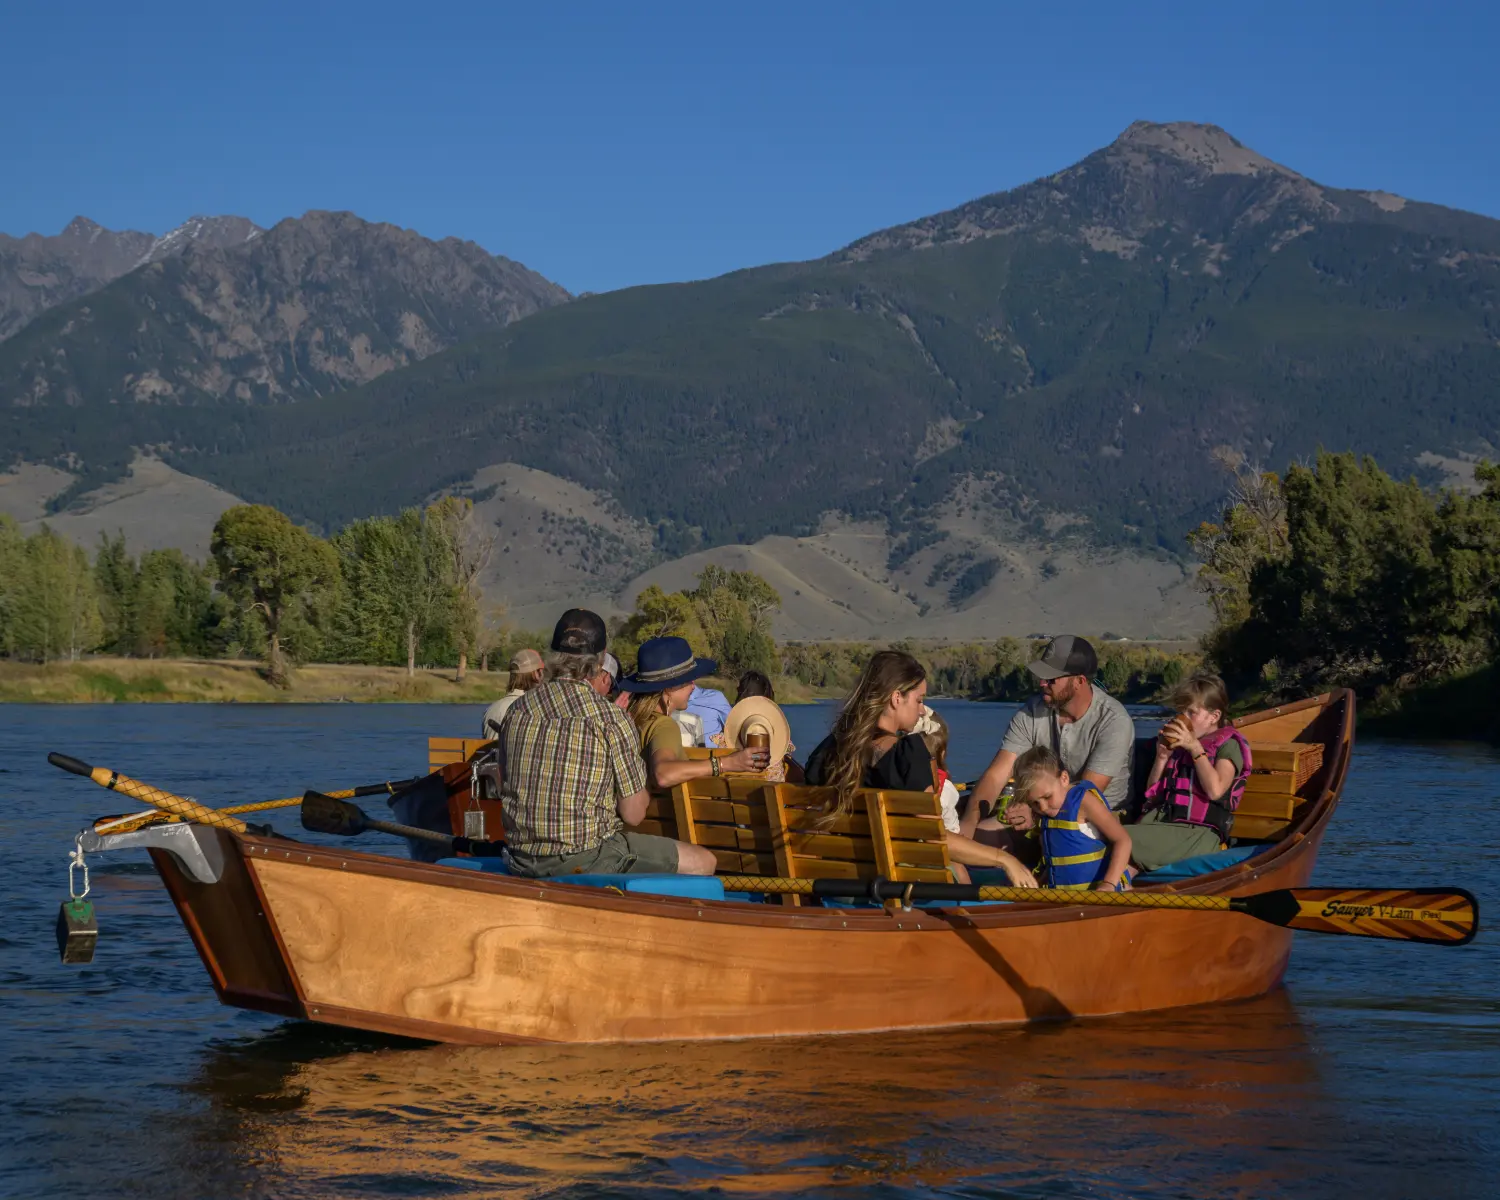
[(1101, 740)]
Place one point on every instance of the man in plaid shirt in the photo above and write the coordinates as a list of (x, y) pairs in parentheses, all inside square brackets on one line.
[(571, 773)]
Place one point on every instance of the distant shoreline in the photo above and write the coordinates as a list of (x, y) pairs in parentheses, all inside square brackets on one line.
[(238, 681), (235, 681)]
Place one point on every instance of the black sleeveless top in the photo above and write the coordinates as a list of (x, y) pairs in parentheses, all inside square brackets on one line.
[(905, 767)]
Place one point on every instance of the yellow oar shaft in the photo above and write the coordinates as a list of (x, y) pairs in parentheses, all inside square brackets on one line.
[(129, 824), (1038, 895), (170, 802)]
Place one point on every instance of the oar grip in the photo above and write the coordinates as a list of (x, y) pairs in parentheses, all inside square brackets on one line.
[(68, 763)]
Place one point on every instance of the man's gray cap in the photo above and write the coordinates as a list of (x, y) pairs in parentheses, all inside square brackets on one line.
[(1065, 655)]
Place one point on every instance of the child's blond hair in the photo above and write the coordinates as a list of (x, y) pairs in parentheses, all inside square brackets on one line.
[(936, 740), (1037, 765)]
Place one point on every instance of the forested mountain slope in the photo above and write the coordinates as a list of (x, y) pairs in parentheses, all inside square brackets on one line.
[(1069, 351)]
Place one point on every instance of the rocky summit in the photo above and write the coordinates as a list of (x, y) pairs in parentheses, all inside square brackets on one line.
[(38, 273)]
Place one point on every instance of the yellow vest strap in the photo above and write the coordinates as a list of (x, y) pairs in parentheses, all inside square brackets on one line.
[(1069, 860)]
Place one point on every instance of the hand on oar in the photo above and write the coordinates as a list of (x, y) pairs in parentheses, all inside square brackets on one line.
[(1437, 916), (328, 814), (140, 820)]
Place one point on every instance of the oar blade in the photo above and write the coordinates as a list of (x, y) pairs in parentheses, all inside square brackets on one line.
[(1438, 916), (324, 814)]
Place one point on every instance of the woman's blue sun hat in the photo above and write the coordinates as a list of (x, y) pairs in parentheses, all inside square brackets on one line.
[(665, 662)]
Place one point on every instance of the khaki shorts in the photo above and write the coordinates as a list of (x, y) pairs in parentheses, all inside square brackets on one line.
[(622, 853)]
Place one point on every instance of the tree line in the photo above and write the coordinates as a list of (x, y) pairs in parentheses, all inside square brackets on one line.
[(1337, 575), (384, 590), (727, 616)]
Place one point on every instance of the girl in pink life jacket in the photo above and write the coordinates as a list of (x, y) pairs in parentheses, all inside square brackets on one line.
[(1197, 780)]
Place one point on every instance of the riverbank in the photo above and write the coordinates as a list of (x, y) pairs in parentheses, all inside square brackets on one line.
[(234, 681), (239, 681)]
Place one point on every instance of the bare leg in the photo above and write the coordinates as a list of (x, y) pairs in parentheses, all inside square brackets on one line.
[(695, 860)]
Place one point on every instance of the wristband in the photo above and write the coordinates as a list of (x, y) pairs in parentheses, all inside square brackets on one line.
[(713, 762)]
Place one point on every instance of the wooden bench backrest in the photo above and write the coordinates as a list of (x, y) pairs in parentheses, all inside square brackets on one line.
[(897, 835), (444, 750), (1284, 776), (728, 815), (756, 828)]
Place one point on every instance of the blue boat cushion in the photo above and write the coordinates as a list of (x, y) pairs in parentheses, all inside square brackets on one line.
[(490, 866), (1202, 864), (694, 887)]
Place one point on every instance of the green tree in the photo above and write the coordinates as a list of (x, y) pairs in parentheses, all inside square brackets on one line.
[(115, 575), (468, 549), (1250, 533), (55, 610), (273, 568), (12, 571)]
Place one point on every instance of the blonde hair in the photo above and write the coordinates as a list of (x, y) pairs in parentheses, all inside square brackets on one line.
[(1036, 765), (1203, 691), (937, 741), (645, 707), (858, 723)]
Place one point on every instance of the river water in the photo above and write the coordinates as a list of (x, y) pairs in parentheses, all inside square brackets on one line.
[(1374, 1073)]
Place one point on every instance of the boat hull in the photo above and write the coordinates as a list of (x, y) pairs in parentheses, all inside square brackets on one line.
[(453, 955)]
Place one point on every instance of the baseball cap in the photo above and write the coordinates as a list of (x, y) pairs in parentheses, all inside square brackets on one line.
[(579, 631), (523, 662), (1065, 655), (610, 664)]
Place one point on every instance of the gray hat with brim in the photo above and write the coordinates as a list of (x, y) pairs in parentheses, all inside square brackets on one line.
[(1065, 655)]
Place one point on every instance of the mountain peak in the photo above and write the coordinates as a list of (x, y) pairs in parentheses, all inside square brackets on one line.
[(82, 227), (211, 233), (1205, 146)]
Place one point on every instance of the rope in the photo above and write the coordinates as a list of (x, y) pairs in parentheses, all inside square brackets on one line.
[(804, 887), (166, 801), (141, 820)]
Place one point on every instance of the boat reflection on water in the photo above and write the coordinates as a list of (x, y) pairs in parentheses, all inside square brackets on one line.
[(1193, 1098)]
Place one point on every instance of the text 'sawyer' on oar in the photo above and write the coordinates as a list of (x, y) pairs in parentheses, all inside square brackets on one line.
[(1441, 916)]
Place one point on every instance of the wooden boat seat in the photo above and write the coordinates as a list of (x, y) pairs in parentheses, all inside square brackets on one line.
[(441, 751), (896, 835), (758, 828), (1284, 777), (727, 815)]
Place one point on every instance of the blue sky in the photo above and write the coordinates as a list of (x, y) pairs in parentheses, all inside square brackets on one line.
[(609, 145)]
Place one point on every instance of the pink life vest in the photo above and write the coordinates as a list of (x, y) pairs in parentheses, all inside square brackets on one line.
[(1181, 797)]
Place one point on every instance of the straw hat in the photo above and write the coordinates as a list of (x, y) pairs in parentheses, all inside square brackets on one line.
[(756, 714)]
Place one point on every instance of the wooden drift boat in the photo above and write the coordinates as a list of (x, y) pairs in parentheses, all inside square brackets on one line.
[(460, 955)]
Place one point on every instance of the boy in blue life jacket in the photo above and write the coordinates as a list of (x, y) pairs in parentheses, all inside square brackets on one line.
[(1083, 843)]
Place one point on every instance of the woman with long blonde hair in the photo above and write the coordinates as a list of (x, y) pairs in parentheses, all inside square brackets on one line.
[(873, 744)]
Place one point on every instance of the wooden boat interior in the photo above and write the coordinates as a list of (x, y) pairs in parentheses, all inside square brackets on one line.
[(1299, 754)]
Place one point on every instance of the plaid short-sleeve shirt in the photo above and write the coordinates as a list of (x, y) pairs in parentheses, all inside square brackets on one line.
[(567, 756)]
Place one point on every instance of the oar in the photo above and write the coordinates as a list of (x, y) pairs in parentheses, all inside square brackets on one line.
[(181, 806), (1439, 916), (328, 814), (138, 820)]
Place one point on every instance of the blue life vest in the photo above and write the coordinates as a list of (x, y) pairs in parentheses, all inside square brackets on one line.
[(1074, 858)]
